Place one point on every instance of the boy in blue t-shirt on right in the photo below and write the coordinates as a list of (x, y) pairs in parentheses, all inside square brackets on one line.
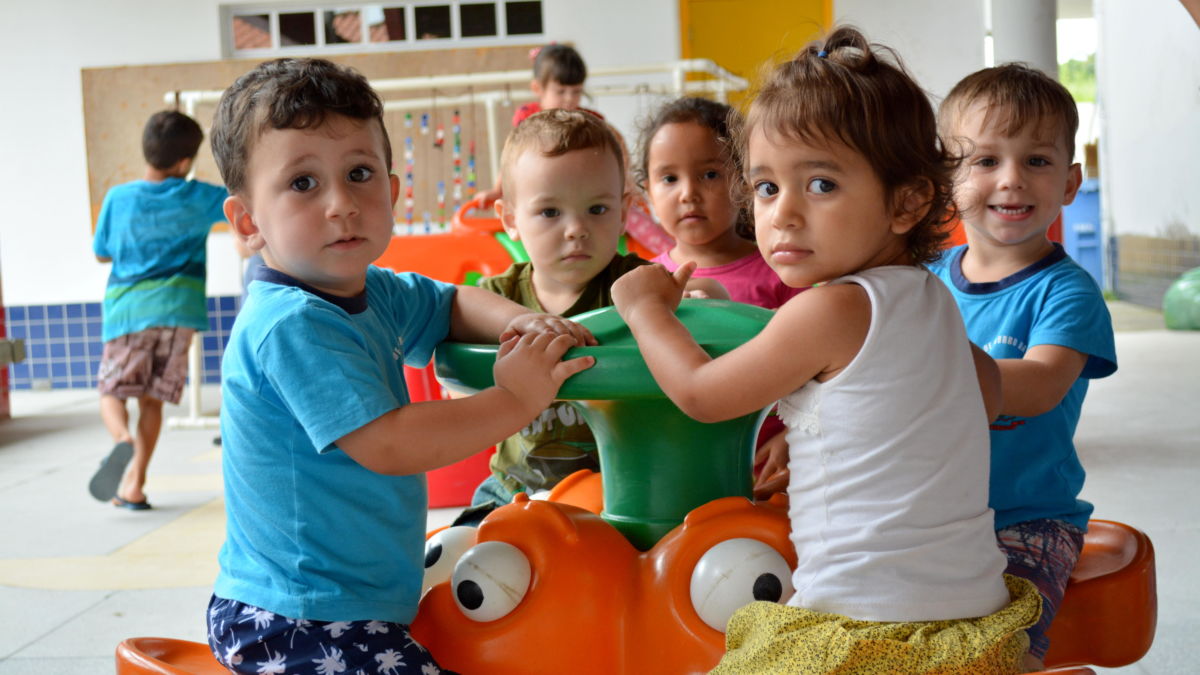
[(1032, 309)]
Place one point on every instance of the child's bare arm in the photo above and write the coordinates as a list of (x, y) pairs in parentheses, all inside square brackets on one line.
[(812, 336), (480, 316), (1035, 384), (988, 374), (423, 436)]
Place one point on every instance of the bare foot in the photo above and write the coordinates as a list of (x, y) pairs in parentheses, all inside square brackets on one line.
[(131, 486)]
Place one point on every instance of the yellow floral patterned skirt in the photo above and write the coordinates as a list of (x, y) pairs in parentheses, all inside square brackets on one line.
[(765, 637)]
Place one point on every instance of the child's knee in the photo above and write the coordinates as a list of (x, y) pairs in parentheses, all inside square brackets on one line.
[(148, 402)]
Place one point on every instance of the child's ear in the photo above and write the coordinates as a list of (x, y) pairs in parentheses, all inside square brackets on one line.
[(395, 184), (911, 204), (1074, 180), (508, 219), (536, 88), (237, 212)]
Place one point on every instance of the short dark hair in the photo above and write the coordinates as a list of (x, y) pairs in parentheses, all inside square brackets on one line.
[(560, 63), (847, 88), (1015, 95), (556, 132), (289, 93), (712, 115), (168, 137)]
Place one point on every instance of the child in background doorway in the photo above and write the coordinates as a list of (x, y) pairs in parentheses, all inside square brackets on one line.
[(565, 199), (323, 454), (558, 76), (1035, 311), (154, 231), (886, 401)]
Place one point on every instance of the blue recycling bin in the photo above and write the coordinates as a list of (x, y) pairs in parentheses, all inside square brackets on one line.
[(1081, 229)]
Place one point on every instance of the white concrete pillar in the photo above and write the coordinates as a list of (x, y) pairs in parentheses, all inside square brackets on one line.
[(1024, 30)]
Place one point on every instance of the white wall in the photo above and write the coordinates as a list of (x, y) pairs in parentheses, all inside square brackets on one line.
[(940, 41), (45, 231), (1148, 79)]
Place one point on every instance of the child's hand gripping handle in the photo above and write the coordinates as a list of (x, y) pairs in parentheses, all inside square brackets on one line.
[(530, 367)]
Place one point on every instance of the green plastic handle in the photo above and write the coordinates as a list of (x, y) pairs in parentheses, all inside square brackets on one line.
[(656, 463)]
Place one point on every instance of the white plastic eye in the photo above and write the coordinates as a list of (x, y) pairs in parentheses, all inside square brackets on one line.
[(490, 580), (442, 552), (735, 573)]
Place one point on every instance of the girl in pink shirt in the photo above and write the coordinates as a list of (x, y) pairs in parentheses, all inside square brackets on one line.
[(685, 170)]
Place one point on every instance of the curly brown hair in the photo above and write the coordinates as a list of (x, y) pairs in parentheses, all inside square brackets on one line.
[(847, 88), (287, 93)]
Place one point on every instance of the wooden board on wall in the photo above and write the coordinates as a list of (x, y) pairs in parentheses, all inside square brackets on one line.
[(117, 102)]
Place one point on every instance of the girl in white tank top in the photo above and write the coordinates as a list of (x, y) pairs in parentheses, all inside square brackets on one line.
[(887, 403)]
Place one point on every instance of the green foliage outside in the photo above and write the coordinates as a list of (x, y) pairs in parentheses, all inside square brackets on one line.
[(1079, 77)]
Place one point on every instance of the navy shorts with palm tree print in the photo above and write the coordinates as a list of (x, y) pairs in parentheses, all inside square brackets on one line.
[(246, 639)]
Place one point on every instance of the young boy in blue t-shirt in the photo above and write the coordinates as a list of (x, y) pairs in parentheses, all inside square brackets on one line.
[(323, 454), (1031, 308), (154, 232)]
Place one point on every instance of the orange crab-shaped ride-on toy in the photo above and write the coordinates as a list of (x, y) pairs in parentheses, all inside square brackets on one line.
[(578, 597)]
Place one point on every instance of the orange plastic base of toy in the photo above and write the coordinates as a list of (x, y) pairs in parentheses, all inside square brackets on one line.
[(1110, 611), (159, 656), (639, 616), (592, 593), (598, 604)]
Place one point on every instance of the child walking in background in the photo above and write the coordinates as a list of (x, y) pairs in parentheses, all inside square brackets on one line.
[(323, 454), (565, 199), (878, 385), (687, 174), (558, 76), (154, 232), (1035, 311)]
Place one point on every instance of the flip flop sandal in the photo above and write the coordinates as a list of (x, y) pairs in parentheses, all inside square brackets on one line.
[(132, 506), (107, 478)]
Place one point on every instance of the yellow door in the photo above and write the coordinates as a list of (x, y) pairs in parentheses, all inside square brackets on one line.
[(741, 35)]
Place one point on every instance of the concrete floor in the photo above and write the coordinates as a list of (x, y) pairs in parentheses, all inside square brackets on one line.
[(77, 577)]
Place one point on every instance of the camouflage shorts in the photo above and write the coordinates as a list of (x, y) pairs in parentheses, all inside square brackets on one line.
[(1045, 552)]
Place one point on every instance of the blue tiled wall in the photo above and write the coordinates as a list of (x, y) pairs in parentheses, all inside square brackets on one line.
[(63, 345)]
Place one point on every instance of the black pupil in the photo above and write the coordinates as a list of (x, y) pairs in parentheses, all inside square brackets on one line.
[(432, 555), (768, 587), (470, 595)]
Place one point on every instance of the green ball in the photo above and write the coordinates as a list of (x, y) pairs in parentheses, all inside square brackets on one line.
[(1181, 302)]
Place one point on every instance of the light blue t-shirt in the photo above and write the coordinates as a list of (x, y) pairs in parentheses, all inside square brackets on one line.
[(155, 234), (310, 533), (1035, 471)]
